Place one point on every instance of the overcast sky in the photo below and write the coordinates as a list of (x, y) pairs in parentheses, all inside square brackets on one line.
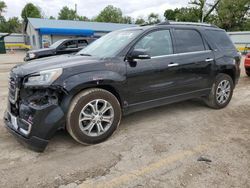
[(91, 8)]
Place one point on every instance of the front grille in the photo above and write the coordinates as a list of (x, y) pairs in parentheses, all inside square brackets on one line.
[(13, 89)]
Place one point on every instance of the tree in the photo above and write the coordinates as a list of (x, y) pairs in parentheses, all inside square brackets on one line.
[(201, 5), (13, 25), (183, 14), (67, 14), (127, 20), (140, 21), (2, 7), (233, 15), (52, 18), (170, 14), (110, 14), (153, 18), (82, 18), (30, 11)]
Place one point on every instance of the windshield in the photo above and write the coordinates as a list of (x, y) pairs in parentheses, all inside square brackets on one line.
[(110, 44), (57, 43)]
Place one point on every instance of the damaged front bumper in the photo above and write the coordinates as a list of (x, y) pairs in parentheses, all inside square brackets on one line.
[(34, 124)]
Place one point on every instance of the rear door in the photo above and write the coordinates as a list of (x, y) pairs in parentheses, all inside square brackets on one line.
[(194, 60)]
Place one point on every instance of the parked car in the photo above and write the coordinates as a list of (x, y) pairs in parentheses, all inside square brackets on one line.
[(63, 46), (122, 72), (247, 64)]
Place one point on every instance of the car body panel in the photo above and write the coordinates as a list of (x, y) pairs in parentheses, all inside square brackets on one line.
[(138, 84)]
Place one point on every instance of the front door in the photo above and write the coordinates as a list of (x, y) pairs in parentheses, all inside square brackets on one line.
[(144, 77)]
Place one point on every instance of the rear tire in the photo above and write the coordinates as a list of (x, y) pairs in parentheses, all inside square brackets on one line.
[(93, 116), (247, 73), (221, 92)]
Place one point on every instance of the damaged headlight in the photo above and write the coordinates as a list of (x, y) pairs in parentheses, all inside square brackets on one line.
[(42, 78), (32, 55)]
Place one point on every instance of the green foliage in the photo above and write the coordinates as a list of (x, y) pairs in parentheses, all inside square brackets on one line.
[(82, 18), (2, 7), (13, 25), (67, 14), (153, 18), (183, 14), (232, 15), (171, 14), (52, 18), (127, 20), (110, 14), (140, 21), (199, 6), (30, 11)]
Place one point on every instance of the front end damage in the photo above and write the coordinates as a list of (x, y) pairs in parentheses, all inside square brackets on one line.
[(34, 114)]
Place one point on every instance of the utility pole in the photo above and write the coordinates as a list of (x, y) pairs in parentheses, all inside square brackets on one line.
[(75, 11), (203, 12)]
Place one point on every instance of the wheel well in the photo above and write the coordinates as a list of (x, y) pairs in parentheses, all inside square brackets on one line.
[(111, 90), (68, 99), (229, 72)]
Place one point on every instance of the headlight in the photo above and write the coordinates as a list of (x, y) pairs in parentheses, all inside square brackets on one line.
[(43, 78), (32, 55)]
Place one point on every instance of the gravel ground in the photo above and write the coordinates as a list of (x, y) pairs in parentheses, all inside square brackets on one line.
[(154, 148)]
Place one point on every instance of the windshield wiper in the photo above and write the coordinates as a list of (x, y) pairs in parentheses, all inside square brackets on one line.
[(85, 54)]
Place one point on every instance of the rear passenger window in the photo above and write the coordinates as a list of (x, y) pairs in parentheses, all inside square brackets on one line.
[(188, 41)]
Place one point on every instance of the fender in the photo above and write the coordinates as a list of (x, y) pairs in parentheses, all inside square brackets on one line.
[(76, 83)]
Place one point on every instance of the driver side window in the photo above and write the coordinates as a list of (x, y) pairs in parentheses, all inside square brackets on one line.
[(156, 43)]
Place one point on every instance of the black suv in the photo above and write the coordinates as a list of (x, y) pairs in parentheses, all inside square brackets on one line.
[(63, 46), (120, 73)]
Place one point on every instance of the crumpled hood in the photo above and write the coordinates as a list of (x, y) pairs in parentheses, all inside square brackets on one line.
[(54, 62)]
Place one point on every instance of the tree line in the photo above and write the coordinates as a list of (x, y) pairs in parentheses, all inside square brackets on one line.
[(230, 15)]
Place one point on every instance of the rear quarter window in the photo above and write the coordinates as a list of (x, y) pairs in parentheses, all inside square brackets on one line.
[(220, 39)]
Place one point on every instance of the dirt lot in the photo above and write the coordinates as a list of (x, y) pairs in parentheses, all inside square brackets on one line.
[(154, 148)]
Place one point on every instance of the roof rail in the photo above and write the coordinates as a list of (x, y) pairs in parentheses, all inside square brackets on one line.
[(187, 23)]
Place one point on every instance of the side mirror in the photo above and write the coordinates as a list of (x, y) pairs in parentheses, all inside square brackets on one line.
[(139, 54)]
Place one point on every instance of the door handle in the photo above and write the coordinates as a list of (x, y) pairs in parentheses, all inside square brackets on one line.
[(173, 64), (209, 59)]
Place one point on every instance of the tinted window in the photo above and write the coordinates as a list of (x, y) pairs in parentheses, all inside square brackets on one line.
[(188, 41), (221, 39), (82, 43), (70, 44), (156, 43)]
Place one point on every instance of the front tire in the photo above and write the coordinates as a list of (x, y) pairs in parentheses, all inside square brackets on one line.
[(93, 116), (221, 92)]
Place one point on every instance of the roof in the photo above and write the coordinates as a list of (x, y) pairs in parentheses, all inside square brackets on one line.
[(39, 23)]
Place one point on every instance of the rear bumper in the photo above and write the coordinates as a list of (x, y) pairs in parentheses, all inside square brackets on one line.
[(34, 143)]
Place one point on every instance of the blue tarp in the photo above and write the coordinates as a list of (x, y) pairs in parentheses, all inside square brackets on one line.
[(66, 31)]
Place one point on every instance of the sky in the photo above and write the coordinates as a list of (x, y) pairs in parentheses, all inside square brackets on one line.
[(90, 8)]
